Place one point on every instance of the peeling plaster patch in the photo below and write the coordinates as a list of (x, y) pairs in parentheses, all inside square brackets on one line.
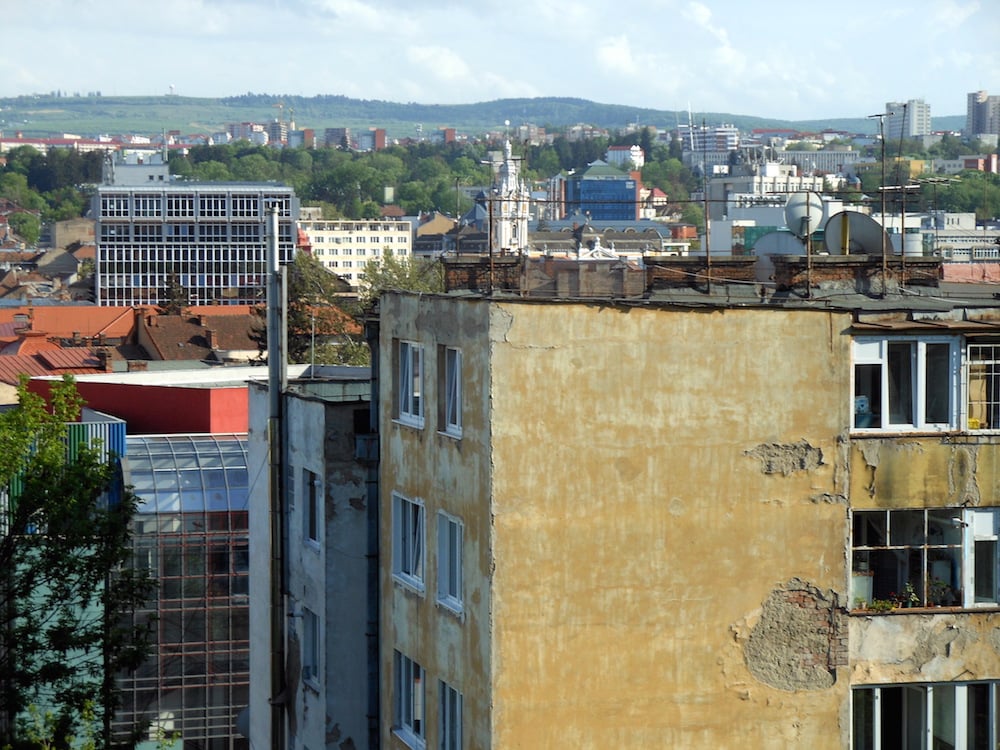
[(776, 458), (828, 499), (962, 474), (870, 450), (995, 639), (796, 643)]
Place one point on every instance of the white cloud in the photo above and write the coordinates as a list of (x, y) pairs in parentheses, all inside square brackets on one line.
[(616, 54)]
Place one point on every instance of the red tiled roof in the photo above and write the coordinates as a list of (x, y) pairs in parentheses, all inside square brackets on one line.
[(62, 321), (12, 367)]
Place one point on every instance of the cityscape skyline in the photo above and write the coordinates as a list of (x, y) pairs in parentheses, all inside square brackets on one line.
[(791, 62)]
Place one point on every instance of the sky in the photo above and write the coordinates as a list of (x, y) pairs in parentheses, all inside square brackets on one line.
[(773, 59)]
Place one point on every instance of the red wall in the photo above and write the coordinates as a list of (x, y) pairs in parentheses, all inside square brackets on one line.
[(150, 409)]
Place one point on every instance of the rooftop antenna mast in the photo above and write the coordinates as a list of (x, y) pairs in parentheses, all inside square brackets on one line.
[(880, 116)]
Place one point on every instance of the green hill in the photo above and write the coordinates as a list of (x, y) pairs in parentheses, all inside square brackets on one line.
[(40, 116)]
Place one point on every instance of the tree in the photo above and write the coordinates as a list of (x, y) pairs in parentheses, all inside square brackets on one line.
[(319, 327), (399, 272), (66, 586), (26, 226)]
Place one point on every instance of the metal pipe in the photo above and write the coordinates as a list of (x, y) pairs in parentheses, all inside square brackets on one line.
[(276, 388)]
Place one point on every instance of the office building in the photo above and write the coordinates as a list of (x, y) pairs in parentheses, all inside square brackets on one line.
[(209, 239)]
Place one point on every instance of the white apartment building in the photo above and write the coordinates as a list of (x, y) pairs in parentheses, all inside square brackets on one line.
[(346, 246), (908, 119)]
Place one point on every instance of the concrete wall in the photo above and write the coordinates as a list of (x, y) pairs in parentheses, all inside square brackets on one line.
[(669, 527), (657, 527), (328, 577), (445, 474)]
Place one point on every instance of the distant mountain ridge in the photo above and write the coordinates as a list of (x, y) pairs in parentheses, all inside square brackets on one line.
[(39, 115)]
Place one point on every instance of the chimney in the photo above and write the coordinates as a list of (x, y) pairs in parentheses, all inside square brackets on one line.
[(104, 360), (211, 337)]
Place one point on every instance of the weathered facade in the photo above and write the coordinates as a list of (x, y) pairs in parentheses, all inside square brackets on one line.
[(642, 523), (329, 640)]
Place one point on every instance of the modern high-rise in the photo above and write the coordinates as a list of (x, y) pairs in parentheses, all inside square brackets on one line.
[(907, 119), (982, 116), (207, 238)]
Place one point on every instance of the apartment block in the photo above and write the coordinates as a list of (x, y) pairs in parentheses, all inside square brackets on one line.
[(678, 509), (346, 246), (910, 119)]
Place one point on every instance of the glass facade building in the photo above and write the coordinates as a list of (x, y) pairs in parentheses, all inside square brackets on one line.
[(191, 532)]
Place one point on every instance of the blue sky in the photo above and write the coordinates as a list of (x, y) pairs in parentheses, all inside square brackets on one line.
[(786, 60)]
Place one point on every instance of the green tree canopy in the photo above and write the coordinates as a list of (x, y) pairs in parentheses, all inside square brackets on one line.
[(391, 271), (66, 582), (26, 226)]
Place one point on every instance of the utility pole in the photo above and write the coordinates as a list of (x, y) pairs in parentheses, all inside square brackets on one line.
[(881, 135)]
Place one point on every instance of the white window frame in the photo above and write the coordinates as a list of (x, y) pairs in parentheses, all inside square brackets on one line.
[(451, 391), (312, 512), (311, 630), (408, 544), (449, 718), (926, 701), (410, 382), (981, 375), (450, 533), (874, 351), (978, 549), (409, 694)]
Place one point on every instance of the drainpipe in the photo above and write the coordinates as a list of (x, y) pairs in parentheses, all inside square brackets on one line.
[(374, 592), (276, 383)]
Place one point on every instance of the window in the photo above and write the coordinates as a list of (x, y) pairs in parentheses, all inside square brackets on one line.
[(245, 205), (410, 391), (310, 646), (913, 717), (925, 557), (449, 562), (311, 512), (450, 366), (983, 363), (147, 205), (212, 205), (451, 718), (408, 541), (180, 206), (408, 693), (114, 205), (905, 383), (213, 232)]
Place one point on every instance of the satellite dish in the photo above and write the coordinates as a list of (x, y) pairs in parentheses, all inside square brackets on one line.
[(803, 213), (774, 243), (849, 232)]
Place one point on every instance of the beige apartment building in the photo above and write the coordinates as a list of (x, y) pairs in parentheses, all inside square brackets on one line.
[(698, 514), (345, 246)]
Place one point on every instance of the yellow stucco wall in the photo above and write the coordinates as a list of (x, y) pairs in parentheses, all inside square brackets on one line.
[(445, 474), (636, 541), (655, 509)]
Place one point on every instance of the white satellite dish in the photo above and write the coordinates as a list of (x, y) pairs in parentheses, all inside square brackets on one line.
[(850, 232), (774, 243), (803, 213)]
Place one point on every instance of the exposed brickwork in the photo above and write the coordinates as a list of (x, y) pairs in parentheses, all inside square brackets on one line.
[(800, 639), (861, 272), (665, 273)]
